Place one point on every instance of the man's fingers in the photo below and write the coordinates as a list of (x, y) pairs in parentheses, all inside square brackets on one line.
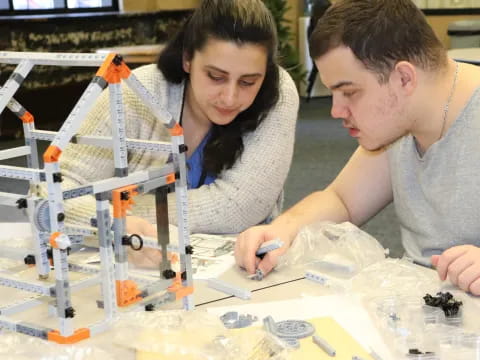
[(468, 277), (456, 268), (434, 259), (269, 261), (447, 258), (475, 287)]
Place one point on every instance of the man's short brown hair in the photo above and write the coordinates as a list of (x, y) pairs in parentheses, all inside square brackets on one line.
[(380, 33)]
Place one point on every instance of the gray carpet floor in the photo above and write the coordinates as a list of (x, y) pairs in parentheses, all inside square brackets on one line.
[(321, 150)]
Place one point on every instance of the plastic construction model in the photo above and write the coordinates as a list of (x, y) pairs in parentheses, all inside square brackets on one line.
[(52, 235)]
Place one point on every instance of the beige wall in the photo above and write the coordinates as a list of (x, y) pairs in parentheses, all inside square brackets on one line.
[(153, 5), (440, 25)]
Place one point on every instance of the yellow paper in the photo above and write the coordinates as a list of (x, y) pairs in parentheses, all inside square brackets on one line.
[(326, 327)]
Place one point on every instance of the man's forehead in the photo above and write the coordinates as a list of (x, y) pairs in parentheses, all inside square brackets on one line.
[(340, 68)]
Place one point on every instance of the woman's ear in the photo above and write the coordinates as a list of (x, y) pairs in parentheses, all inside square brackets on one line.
[(186, 64)]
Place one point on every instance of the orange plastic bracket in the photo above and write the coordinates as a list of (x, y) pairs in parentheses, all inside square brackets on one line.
[(121, 206), (170, 178), (53, 239), (78, 335), (177, 130), (111, 72), (52, 154), (179, 290), (127, 292), (27, 118)]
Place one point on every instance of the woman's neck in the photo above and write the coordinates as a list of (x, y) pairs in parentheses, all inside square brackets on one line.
[(192, 112), (195, 123)]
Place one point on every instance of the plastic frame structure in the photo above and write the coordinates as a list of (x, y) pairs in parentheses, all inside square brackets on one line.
[(53, 237)]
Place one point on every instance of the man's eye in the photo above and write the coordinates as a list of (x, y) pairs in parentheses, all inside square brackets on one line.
[(348, 93)]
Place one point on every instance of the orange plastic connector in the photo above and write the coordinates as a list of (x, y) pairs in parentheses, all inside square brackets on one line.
[(121, 206), (52, 154), (177, 130), (170, 178), (27, 117), (179, 290), (127, 293), (53, 239), (111, 72), (173, 257), (78, 335)]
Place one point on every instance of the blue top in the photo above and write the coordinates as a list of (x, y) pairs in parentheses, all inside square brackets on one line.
[(195, 167)]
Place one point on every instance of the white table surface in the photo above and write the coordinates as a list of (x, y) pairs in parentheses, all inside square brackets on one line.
[(468, 55)]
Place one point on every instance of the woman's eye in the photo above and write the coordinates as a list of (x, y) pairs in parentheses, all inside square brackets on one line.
[(246, 83), (215, 78)]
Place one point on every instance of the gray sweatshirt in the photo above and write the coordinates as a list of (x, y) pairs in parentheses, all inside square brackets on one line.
[(437, 195)]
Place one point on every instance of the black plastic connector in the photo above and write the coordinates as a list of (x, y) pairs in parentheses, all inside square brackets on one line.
[(29, 260), (169, 274), (60, 217), (22, 203), (69, 312), (57, 177), (117, 60), (182, 148)]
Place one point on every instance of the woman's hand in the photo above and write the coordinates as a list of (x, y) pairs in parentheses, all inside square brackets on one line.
[(146, 258)]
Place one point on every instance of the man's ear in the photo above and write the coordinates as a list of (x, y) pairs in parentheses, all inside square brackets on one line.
[(186, 64), (405, 75)]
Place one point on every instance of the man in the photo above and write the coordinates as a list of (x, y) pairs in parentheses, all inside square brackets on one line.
[(416, 116)]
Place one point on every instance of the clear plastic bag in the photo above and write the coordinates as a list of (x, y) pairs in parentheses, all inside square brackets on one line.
[(396, 277), (21, 347), (196, 334), (342, 249)]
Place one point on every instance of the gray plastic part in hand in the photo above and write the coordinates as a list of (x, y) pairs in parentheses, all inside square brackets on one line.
[(257, 276), (269, 246)]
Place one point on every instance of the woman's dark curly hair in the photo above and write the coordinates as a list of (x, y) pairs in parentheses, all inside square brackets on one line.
[(240, 21)]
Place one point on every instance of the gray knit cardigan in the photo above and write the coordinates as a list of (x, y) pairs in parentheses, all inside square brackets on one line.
[(245, 195)]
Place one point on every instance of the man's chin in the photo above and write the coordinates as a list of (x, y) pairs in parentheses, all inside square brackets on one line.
[(371, 147)]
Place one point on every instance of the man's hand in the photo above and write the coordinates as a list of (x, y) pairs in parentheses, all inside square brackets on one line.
[(461, 264), (250, 240)]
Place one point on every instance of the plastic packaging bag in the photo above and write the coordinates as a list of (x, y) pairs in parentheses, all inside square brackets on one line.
[(179, 334), (342, 249), (392, 277), (21, 347)]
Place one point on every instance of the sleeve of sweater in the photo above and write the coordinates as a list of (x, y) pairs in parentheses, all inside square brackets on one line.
[(246, 194)]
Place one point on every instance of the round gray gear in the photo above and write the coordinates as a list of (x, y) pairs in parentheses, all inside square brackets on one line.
[(41, 216), (297, 329)]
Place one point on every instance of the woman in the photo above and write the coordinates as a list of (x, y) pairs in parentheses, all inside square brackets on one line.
[(220, 79)]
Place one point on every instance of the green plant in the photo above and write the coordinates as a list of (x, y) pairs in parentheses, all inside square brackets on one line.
[(288, 55)]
